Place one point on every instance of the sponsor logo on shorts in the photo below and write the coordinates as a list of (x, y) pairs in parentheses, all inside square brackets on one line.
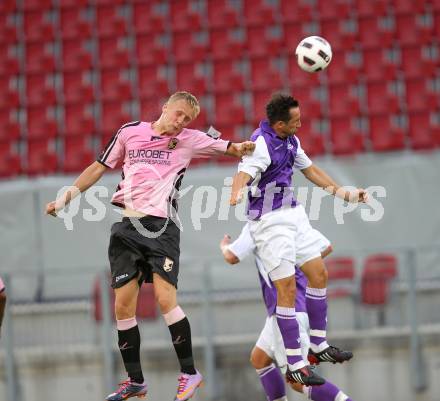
[(168, 265), (118, 278)]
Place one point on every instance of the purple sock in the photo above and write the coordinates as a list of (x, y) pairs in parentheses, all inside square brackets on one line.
[(327, 392), (272, 383), (286, 319), (316, 304)]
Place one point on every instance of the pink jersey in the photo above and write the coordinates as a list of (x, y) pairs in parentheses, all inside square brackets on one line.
[(2, 285), (153, 165)]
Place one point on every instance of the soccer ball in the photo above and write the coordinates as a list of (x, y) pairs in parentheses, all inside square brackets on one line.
[(313, 54)]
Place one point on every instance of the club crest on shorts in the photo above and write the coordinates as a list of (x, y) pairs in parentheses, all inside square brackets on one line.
[(168, 265), (173, 143)]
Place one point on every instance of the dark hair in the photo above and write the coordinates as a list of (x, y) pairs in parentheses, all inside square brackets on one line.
[(279, 106)]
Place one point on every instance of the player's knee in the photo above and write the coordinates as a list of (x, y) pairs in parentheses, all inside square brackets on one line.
[(165, 301), (286, 292), (124, 310), (257, 362)]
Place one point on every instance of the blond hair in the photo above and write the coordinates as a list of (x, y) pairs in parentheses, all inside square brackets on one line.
[(189, 98)]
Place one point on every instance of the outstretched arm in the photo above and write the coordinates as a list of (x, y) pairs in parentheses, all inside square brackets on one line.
[(240, 149), (229, 256), (86, 179), (321, 179)]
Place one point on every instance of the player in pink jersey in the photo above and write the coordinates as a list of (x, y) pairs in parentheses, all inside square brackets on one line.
[(144, 246), (2, 302)]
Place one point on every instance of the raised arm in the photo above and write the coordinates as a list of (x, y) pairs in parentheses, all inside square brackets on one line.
[(86, 179), (240, 149), (321, 179)]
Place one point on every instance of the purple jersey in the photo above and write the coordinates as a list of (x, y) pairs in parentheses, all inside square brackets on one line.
[(270, 293), (271, 167)]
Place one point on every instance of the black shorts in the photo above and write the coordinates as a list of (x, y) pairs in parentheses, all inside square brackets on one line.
[(132, 250)]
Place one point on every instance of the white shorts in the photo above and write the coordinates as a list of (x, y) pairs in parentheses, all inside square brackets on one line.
[(271, 341), (286, 234)]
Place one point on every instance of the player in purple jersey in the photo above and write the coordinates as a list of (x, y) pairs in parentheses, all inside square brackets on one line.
[(145, 245), (282, 232), (2, 302), (269, 347)]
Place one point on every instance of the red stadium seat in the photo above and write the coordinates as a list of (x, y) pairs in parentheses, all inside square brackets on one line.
[(259, 101), (334, 10), (9, 61), (146, 21), (32, 5), (40, 58), (344, 101), (224, 46), (65, 4), (227, 76), (336, 33), (191, 78), (41, 157), (423, 133), (408, 6), (78, 154), (312, 140), (265, 74), (373, 35), (183, 17), (309, 101), (221, 14), (341, 274), (116, 85), (189, 47), (8, 29), (10, 161), (259, 43), (381, 99), (149, 52), (113, 53), (416, 65), (74, 25), (258, 13), (9, 93), (76, 56), (41, 122), (8, 6), (410, 33), (346, 138), (378, 272), (345, 68), (40, 90), (151, 108), (38, 27), (78, 120), (78, 87), (385, 135), (378, 65), (420, 97), (153, 82), (296, 11), (229, 111), (372, 8), (109, 21), (10, 127), (114, 114)]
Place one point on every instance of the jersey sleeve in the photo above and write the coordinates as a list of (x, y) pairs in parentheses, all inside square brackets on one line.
[(243, 245), (302, 161), (204, 146), (258, 161), (2, 285), (114, 151)]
